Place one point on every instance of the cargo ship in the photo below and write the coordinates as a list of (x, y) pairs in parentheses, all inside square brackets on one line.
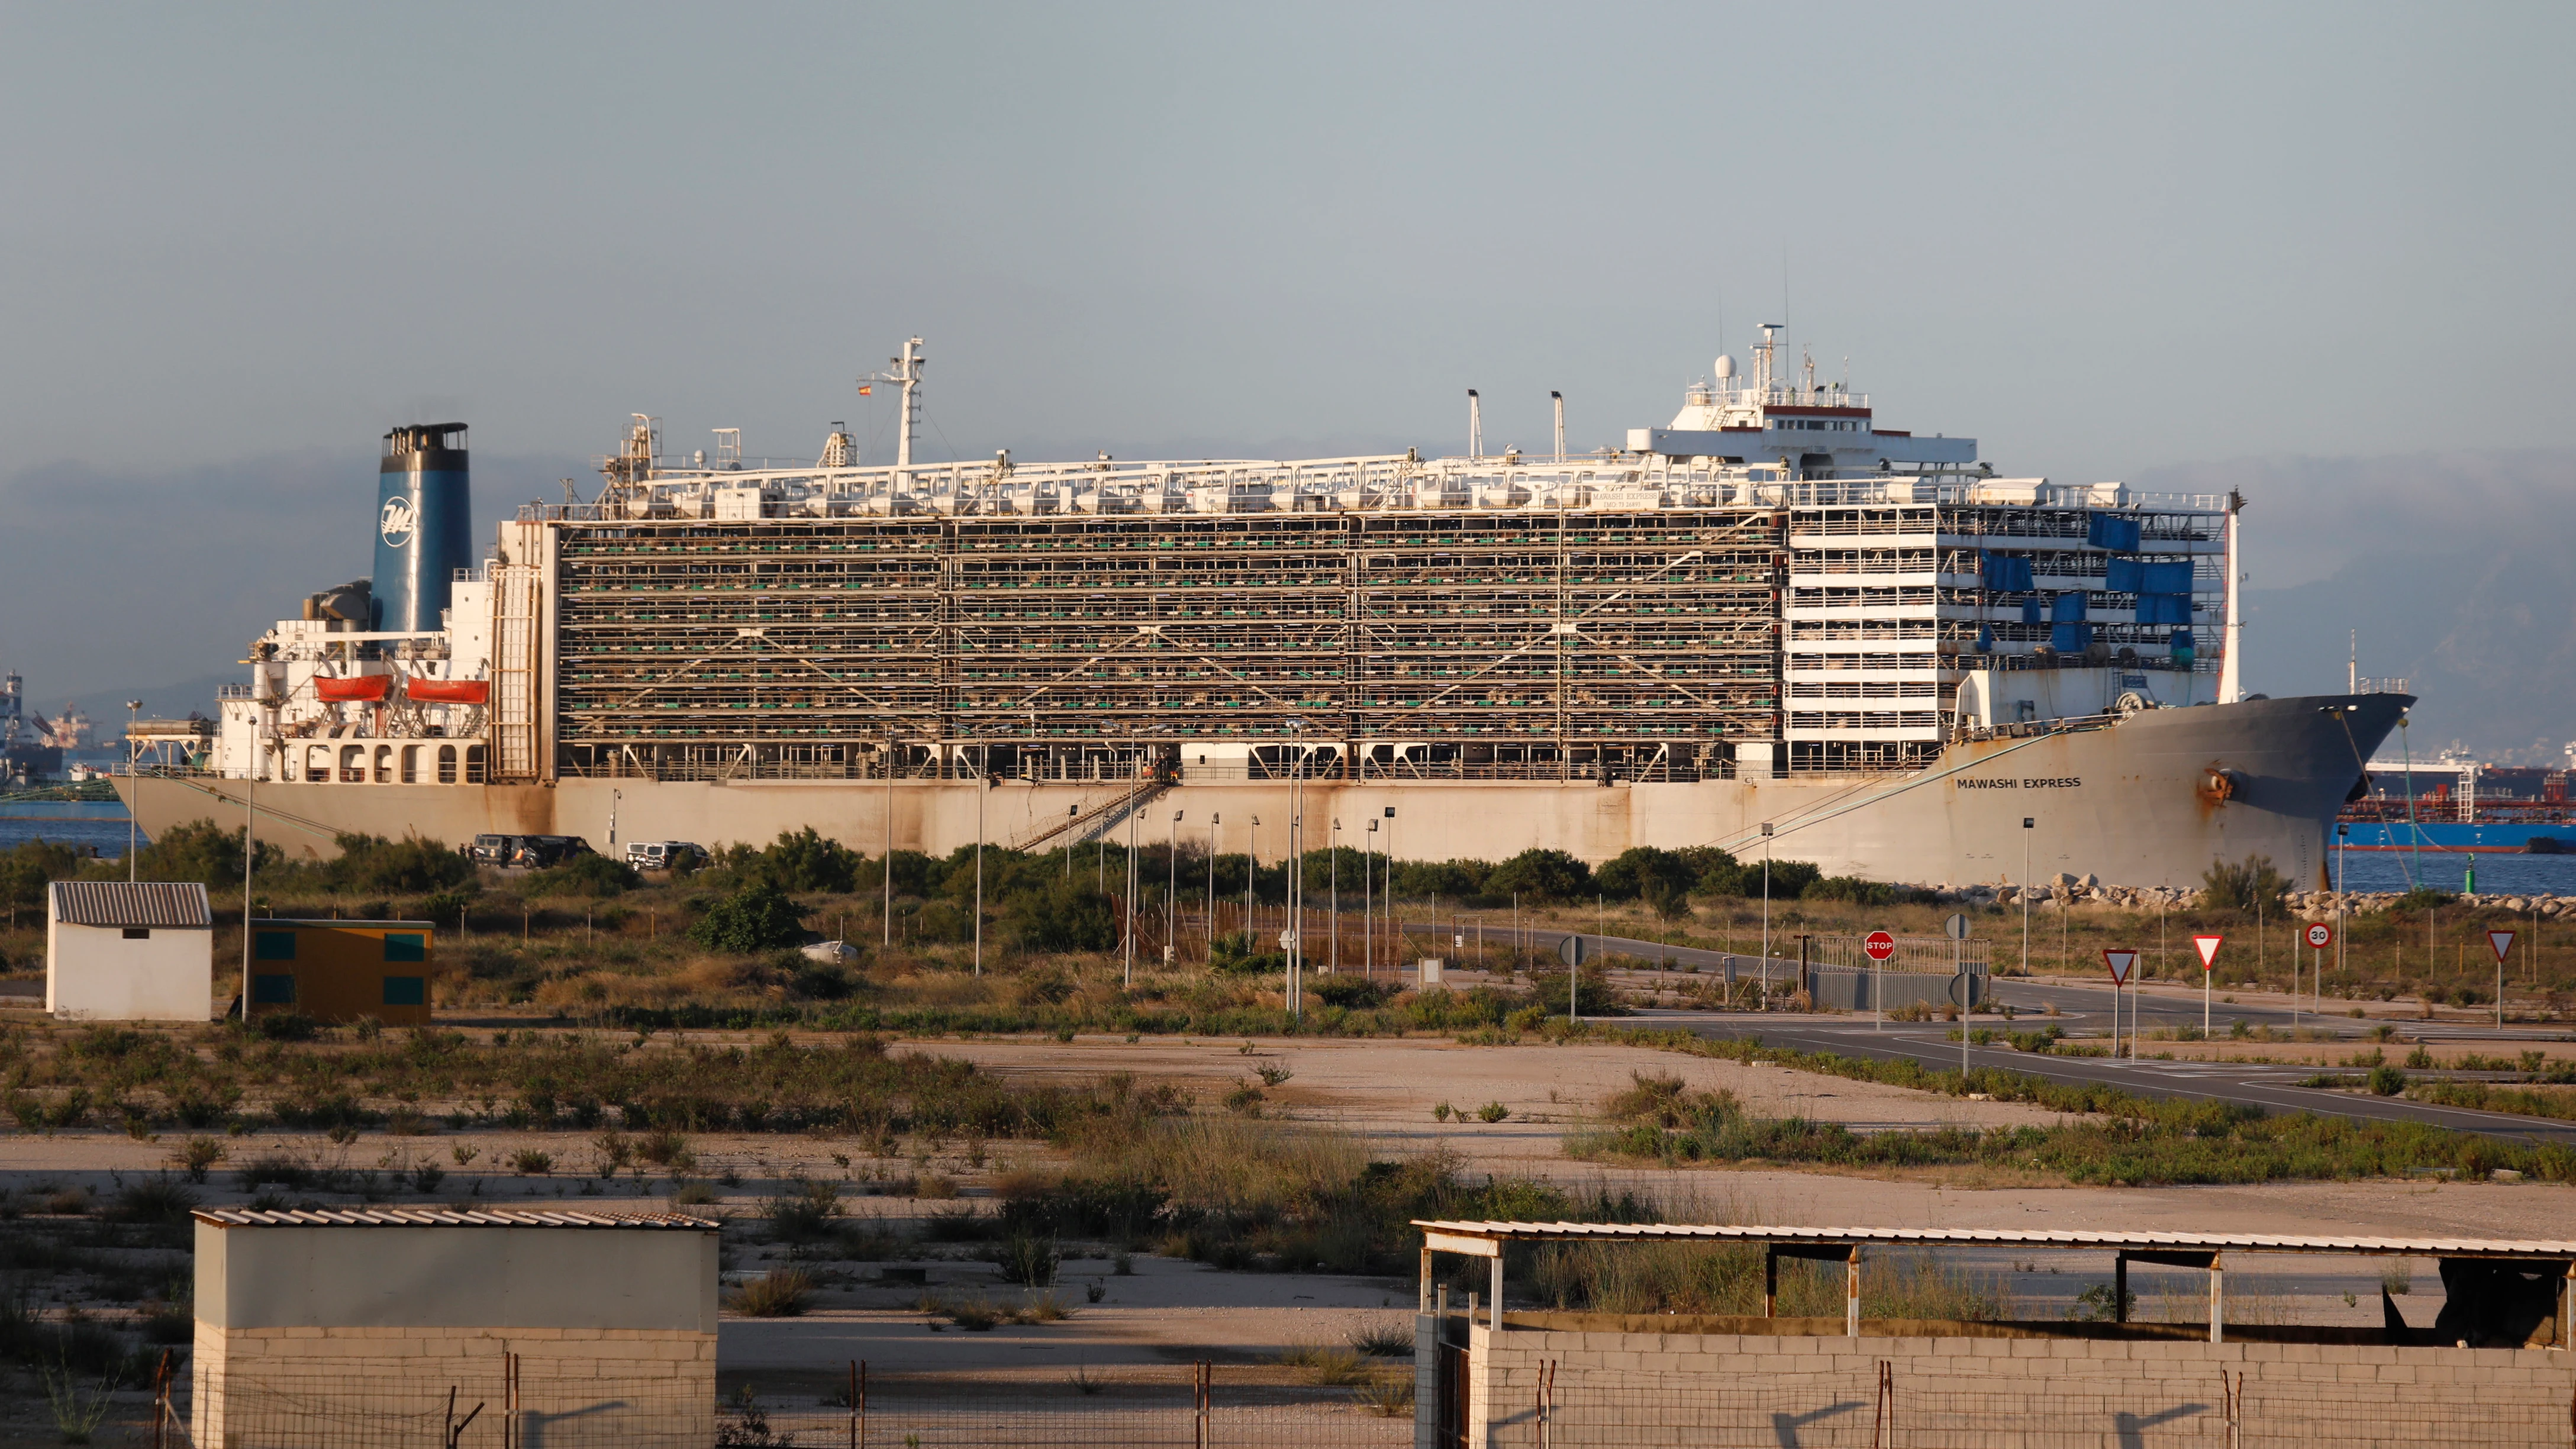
[(1771, 625), (2453, 803)]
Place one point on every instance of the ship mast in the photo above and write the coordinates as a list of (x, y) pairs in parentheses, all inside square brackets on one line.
[(905, 372)]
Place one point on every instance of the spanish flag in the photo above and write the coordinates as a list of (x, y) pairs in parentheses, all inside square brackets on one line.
[(864, 389)]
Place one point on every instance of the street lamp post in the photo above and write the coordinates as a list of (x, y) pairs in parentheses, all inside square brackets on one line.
[(1251, 872), (1295, 891), (2343, 833), (133, 711), (1214, 821), (2028, 824), (886, 911), (1172, 895), (1766, 916), (1394, 962), (983, 782), (1128, 977), (1368, 890), (1333, 859)]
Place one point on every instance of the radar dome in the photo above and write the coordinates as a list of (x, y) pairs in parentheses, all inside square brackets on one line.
[(1725, 365)]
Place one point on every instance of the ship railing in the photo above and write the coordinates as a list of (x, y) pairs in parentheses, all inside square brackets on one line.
[(2034, 728)]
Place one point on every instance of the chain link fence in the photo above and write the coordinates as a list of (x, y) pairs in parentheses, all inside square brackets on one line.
[(1857, 1411), (397, 1404)]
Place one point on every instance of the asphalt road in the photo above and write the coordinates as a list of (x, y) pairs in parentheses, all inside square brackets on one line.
[(2274, 1088)]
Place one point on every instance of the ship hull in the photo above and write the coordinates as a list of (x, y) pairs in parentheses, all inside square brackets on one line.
[(2455, 837), (2132, 803)]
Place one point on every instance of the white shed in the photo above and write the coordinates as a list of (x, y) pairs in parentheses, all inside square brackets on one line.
[(116, 951)]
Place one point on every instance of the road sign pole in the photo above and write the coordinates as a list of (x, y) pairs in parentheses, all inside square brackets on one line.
[(1879, 945), (2501, 943)]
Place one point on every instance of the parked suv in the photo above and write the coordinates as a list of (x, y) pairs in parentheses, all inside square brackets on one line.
[(663, 854), (532, 851)]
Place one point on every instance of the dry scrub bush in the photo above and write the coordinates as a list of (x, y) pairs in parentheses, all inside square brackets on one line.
[(778, 1293)]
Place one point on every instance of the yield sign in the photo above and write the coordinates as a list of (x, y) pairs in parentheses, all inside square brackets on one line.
[(1879, 945), (2500, 942), (2207, 946), (2119, 962)]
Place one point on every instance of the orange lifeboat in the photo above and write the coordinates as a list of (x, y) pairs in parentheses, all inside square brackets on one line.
[(449, 691), (356, 689)]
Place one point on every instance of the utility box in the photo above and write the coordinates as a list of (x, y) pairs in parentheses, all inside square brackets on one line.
[(391, 1325), (122, 951), (342, 970)]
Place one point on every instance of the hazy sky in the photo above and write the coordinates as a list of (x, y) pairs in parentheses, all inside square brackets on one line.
[(2097, 238), (240, 242)]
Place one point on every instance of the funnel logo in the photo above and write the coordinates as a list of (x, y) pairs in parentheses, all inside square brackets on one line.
[(399, 519)]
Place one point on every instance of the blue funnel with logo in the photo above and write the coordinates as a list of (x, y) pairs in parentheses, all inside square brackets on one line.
[(424, 527)]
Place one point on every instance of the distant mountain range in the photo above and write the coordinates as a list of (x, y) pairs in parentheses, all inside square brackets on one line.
[(2453, 571)]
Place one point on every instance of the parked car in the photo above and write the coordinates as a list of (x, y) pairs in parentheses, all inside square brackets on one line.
[(663, 854), (533, 852)]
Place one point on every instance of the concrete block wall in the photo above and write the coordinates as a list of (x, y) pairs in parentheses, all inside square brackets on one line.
[(577, 1386), (1639, 1389)]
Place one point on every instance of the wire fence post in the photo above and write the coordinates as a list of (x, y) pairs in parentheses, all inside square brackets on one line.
[(2231, 1399), (1546, 1403), (858, 1403), (1202, 1385), (160, 1399), (509, 1400), (1882, 1428)]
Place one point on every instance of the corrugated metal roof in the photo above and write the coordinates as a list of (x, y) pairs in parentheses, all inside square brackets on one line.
[(2001, 1237), (171, 906), (422, 1217)]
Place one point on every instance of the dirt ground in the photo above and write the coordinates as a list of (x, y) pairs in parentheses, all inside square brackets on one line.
[(1166, 1311)]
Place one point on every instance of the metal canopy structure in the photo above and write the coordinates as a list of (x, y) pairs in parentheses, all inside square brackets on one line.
[(426, 1217), (2204, 1251)]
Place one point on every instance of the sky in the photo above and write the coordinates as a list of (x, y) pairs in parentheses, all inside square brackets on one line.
[(242, 242)]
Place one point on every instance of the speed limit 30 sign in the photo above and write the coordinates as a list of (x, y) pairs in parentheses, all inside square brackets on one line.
[(2321, 935)]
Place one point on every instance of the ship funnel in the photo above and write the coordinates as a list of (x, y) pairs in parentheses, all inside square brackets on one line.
[(424, 525)]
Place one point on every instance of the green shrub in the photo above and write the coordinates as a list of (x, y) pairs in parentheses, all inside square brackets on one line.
[(595, 876), (1351, 993), (202, 851), (802, 860), (1593, 996), (756, 918), (2243, 885), (27, 869), (1540, 877), (2387, 1081), (371, 865), (1064, 915)]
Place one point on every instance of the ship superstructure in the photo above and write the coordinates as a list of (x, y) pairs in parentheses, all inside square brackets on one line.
[(1770, 591)]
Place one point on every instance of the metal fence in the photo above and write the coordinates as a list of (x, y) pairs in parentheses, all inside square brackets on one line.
[(505, 1404), (1892, 1411)]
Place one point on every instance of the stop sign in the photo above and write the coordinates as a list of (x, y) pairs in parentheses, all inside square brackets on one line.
[(2321, 935), (1879, 945)]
